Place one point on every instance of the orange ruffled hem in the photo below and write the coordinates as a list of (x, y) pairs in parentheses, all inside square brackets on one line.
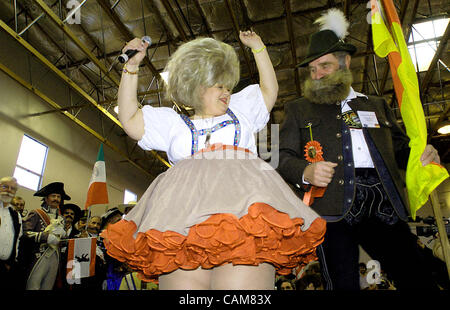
[(262, 235)]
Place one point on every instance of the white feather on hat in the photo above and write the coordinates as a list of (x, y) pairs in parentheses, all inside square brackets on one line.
[(335, 21)]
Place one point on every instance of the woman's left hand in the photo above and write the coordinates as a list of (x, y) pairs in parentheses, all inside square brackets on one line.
[(251, 39), (267, 77), (429, 155)]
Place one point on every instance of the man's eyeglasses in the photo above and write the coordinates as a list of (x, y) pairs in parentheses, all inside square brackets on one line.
[(5, 187)]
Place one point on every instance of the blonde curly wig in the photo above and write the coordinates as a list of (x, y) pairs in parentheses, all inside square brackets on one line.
[(197, 65)]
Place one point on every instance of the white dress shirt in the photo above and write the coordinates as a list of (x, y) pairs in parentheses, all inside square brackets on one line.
[(166, 131), (361, 154), (360, 150), (7, 232)]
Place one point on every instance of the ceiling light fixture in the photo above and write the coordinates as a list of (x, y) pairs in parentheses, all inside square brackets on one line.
[(444, 127)]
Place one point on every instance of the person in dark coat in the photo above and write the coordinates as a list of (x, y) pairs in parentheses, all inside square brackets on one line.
[(10, 233), (71, 213), (351, 146)]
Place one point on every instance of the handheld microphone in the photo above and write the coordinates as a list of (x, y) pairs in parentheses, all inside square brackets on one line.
[(123, 58)]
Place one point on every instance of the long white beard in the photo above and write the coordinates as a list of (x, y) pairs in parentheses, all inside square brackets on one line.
[(6, 197), (329, 89)]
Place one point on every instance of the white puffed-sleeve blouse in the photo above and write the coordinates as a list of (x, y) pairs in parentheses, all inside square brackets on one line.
[(166, 131)]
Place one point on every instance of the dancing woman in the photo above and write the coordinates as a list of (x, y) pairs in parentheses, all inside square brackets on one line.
[(220, 218)]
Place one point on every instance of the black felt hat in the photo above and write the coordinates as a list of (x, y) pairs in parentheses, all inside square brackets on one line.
[(76, 209), (53, 188), (325, 42), (109, 215), (333, 30)]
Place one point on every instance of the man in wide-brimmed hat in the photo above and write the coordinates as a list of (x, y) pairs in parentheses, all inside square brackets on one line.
[(53, 195), (356, 154), (41, 253), (111, 216), (71, 213)]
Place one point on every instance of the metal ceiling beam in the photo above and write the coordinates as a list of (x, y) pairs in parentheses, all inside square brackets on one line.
[(76, 64), (48, 37), (403, 9), (102, 51), (211, 33), (117, 53), (203, 17), (31, 24), (53, 68), (443, 43), (175, 20), (429, 74), (17, 14), (247, 20), (125, 32), (365, 73), (154, 9), (186, 21), (66, 79), (236, 32), (62, 110), (75, 40), (346, 8), (289, 22), (140, 94)]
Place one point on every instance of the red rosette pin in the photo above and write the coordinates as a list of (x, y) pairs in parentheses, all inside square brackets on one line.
[(313, 151), (313, 154)]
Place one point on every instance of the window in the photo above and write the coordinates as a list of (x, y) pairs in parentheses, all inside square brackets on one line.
[(424, 40), (129, 196), (30, 163)]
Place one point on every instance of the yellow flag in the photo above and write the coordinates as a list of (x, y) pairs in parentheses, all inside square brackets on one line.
[(420, 180)]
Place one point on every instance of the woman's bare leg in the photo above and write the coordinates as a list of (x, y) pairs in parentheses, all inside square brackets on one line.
[(198, 279), (243, 277)]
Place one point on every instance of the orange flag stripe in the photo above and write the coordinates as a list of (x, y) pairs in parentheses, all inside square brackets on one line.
[(97, 194)]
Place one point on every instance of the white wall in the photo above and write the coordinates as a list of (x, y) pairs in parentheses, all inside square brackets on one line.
[(72, 151)]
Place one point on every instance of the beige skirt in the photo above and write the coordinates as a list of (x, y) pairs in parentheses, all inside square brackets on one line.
[(222, 205)]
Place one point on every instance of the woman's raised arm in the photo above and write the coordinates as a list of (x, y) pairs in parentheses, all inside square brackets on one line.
[(267, 77), (130, 115)]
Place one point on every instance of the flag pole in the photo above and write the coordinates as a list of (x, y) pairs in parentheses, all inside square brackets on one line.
[(443, 238), (90, 212), (88, 217), (402, 69)]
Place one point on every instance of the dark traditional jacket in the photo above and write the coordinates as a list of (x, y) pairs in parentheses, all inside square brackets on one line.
[(17, 223), (388, 146)]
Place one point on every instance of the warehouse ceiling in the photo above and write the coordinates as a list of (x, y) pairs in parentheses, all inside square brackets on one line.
[(83, 52)]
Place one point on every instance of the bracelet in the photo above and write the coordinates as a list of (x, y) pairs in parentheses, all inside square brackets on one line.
[(259, 50), (125, 70)]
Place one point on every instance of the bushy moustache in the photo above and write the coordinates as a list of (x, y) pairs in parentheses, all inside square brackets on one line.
[(6, 197), (329, 89)]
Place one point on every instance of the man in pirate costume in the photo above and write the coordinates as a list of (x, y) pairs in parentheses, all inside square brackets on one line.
[(350, 146), (41, 253)]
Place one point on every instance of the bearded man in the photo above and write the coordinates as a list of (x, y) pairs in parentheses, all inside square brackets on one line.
[(10, 233), (357, 163)]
